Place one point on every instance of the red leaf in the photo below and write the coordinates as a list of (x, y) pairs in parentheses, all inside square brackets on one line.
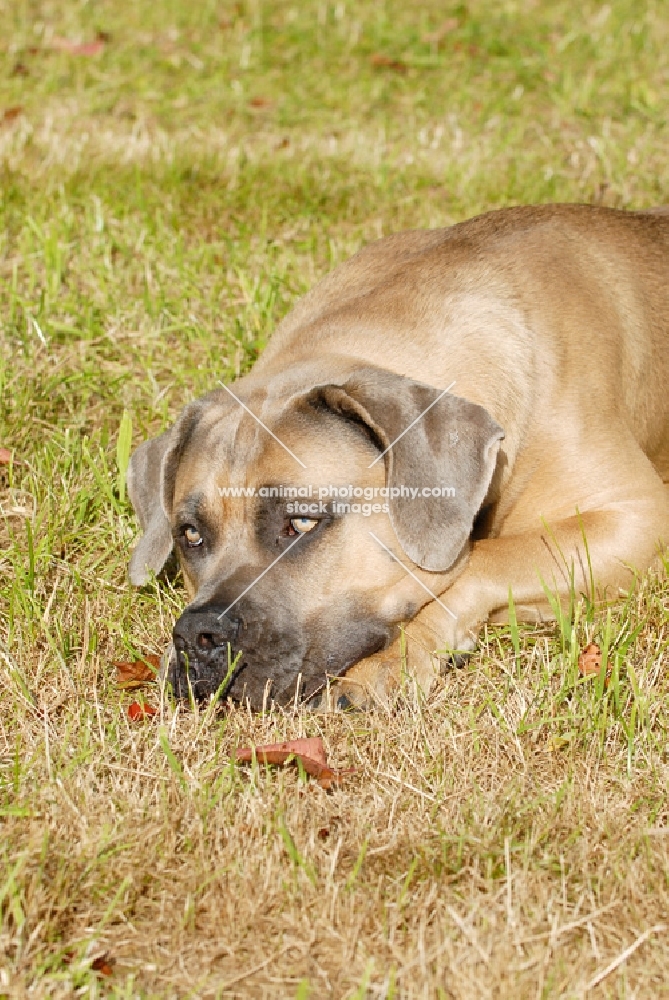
[(103, 965), (308, 750), (137, 673), (137, 712), (79, 48), (5, 456)]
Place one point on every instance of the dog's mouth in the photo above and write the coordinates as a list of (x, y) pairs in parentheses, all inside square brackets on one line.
[(210, 674), (222, 673)]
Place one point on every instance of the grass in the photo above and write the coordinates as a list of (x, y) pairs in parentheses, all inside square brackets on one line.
[(163, 205)]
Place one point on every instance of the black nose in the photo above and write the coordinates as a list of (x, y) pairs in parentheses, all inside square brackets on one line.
[(204, 641)]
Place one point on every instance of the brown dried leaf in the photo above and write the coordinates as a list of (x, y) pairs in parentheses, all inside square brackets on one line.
[(590, 660), (136, 673), (327, 778), (10, 115), (260, 102), (309, 750), (5, 456), (381, 61)]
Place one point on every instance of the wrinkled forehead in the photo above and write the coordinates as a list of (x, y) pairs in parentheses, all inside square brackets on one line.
[(221, 444), (269, 440)]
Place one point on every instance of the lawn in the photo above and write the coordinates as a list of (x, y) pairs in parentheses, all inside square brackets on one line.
[(173, 176)]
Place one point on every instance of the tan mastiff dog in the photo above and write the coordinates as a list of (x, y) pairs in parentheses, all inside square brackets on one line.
[(449, 416)]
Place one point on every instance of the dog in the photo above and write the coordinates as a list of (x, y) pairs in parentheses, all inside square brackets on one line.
[(500, 388)]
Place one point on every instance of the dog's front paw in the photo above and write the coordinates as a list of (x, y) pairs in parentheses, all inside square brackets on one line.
[(451, 661), (436, 641), (370, 682), (339, 697)]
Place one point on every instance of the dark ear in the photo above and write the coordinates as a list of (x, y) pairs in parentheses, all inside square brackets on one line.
[(145, 489), (435, 440)]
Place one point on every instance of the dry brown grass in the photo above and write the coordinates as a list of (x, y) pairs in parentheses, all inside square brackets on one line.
[(508, 837), (461, 857)]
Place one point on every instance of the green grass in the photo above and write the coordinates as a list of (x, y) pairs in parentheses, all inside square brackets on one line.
[(163, 204)]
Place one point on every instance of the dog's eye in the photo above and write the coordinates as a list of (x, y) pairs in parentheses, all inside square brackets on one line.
[(301, 525), (192, 536)]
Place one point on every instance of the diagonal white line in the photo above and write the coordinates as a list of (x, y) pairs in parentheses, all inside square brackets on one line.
[(419, 582), (261, 575), (419, 417), (264, 426)]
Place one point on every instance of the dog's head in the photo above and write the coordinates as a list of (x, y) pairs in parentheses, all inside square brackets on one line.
[(291, 510)]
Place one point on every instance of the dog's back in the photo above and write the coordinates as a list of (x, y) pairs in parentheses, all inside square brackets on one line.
[(574, 295)]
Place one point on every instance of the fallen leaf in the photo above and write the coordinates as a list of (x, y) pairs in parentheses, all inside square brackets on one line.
[(472, 50), (79, 48), (309, 751), (5, 456), (437, 36), (10, 115), (260, 102), (137, 712), (136, 673), (103, 964), (20, 69), (328, 777), (590, 661), (379, 61)]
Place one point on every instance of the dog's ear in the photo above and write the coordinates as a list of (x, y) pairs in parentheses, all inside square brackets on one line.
[(151, 478), (432, 440), (145, 489)]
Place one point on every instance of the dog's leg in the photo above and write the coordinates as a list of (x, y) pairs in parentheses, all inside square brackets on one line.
[(420, 651), (610, 543), (374, 680), (605, 546)]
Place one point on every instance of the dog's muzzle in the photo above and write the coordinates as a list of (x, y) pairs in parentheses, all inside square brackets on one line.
[(253, 658), (204, 647)]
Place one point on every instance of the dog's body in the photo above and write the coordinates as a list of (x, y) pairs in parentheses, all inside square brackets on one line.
[(551, 324)]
